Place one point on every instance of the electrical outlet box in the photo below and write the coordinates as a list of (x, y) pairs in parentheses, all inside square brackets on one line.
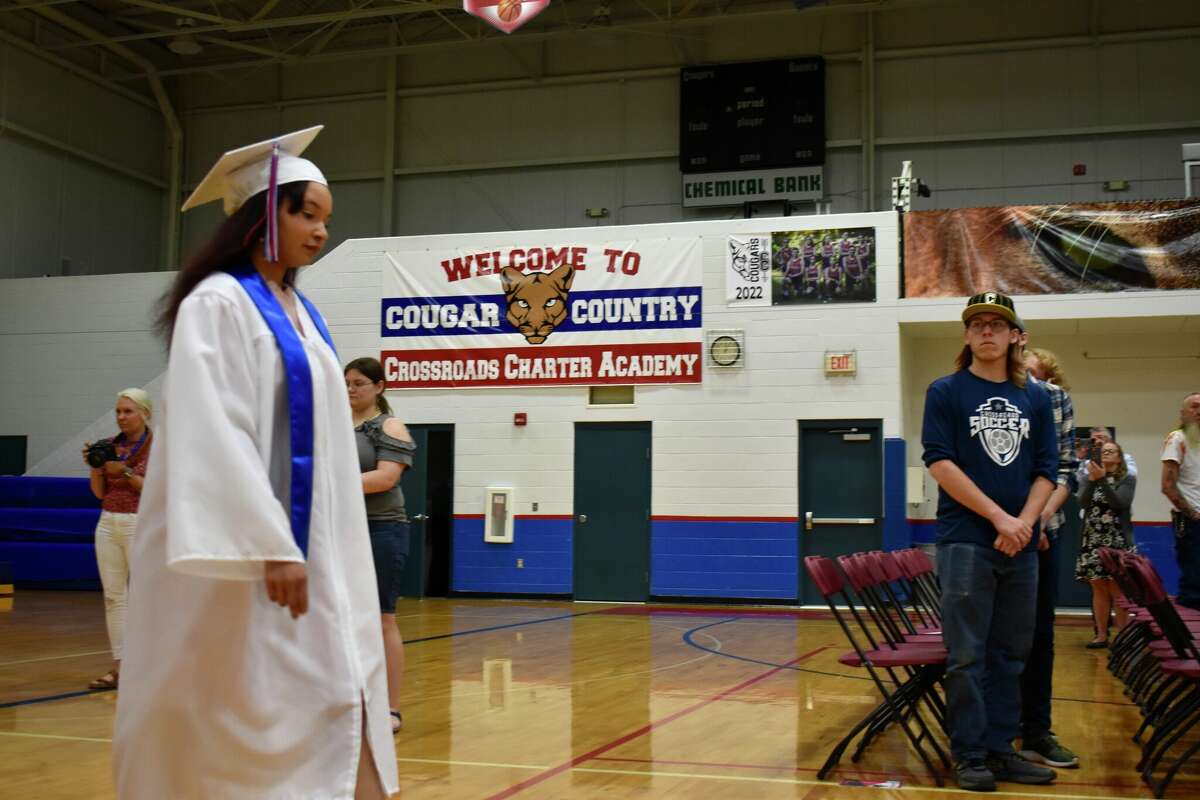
[(520, 563)]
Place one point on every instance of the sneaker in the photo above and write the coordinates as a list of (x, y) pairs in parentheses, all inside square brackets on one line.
[(1046, 750), (974, 776), (1011, 768)]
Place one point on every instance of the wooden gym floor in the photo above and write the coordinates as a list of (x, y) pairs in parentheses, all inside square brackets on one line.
[(588, 700)]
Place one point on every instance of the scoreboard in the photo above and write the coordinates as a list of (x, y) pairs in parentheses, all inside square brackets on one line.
[(755, 115)]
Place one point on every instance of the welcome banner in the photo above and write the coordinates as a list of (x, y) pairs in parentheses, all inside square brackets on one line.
[(535, 314)]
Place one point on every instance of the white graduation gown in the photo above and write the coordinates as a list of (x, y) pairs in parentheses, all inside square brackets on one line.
[(223, 694)]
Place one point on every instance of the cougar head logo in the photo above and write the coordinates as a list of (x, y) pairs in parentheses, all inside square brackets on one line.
[(537, 303), (739, 258)]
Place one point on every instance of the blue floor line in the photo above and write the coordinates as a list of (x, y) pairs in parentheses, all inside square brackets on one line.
[(49, 698), (688, 640), (497, 627), (68, 695)]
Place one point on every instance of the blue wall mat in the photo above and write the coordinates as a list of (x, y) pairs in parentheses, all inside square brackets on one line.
[(724, 558), (1157, 542), (47, 529), (545, 545)]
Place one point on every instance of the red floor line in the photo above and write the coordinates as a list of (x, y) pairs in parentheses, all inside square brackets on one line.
[(642, 731), (848, 773), (854, 773)]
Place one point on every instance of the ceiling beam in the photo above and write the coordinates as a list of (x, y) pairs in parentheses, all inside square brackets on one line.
[(30, 6), (266, 8), (180, 11), (637, 27), (76, 69), (306, 20), (216, 40)]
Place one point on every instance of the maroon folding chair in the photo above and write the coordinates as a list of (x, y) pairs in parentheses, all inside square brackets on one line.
[(926, 623), (1177, 715), (918, 569), (922, 665)]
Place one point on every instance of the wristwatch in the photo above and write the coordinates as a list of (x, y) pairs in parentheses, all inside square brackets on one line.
[(127, 472)]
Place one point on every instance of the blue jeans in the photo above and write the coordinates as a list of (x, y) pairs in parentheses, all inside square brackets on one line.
[(389, 546), (1187, 554), (1037, 681), (988, 602)]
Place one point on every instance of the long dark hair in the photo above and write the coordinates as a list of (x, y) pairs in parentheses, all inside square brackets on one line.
[(373, 371), (1016, 364), (229, 247)]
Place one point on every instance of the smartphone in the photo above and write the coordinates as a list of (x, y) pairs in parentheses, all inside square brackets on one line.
[(1095, 452)]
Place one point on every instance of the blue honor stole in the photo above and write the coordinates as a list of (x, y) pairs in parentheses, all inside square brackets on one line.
[(299, 390)]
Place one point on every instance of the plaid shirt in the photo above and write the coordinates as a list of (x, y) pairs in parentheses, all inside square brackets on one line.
[(1064, 422)]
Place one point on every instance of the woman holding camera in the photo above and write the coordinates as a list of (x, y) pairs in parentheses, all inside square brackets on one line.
[(118, 470), (1106, 495)]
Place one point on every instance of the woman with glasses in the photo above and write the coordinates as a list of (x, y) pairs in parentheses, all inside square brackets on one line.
[(385, 450), (1106, 495)]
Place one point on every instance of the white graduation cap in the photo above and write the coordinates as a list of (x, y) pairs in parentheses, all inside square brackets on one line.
[(242, 173)]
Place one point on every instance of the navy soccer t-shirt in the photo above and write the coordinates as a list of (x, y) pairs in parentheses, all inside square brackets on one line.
[(1002, 436)]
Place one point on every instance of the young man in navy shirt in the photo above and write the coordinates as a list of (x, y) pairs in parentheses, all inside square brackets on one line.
[(990, 443)]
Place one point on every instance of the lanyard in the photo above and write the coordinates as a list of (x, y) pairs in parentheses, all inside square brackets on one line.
[(136, 447)]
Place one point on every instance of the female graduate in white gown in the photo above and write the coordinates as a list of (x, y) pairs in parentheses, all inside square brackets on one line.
[(254, 662)]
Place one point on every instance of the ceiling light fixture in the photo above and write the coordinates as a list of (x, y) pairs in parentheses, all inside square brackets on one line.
[(184, 44)]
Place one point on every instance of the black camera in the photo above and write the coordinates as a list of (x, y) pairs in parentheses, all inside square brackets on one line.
[(100, 452)]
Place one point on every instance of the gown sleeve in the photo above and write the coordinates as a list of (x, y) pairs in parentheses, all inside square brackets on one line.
[(223, 519)]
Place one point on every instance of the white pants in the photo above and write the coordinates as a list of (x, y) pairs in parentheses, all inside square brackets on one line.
[(114, 538)]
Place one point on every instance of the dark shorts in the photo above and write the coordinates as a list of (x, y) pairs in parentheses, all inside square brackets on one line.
[(389, 546)]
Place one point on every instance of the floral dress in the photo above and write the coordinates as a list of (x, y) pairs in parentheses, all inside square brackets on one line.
[(1107, 523)]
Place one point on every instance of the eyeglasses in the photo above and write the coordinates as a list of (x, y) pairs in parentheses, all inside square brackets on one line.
[(993, 325), (358, 384)]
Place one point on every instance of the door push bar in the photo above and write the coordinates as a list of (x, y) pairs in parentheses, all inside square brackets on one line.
[(810, 520)]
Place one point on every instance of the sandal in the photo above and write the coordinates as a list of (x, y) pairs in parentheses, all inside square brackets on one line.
[(397, 721), (1097, 644), (105, 683)]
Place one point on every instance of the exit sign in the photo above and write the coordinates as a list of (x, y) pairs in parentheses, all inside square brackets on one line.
[(841, 363)]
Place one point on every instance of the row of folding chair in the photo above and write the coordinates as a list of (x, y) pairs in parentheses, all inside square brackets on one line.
[(888, 605), (1157, 657)]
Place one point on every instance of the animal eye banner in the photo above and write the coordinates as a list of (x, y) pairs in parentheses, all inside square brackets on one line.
[(1083, 247), (543, 314)]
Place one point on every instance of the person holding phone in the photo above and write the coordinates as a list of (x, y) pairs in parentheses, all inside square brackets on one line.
[(1106, 496), (1090, 447)]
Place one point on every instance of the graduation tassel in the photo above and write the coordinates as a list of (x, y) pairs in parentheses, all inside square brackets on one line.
[(271, 240)]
